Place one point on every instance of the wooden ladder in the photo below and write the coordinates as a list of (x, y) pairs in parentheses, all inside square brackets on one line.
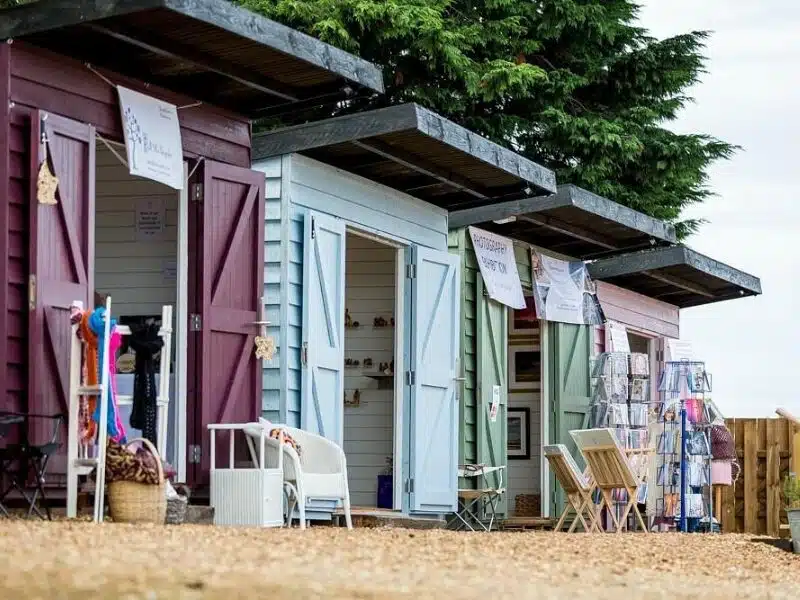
[(81, 460)]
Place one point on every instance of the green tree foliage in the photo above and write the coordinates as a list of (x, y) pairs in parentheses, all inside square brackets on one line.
[(574, 84)]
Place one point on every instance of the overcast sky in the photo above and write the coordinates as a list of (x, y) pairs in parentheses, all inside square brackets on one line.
[(749, 97)]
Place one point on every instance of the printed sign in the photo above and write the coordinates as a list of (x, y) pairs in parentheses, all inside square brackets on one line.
[(563, 291), (499, 269), (152, 138), (495, 406), (617, 337), (150, 217)]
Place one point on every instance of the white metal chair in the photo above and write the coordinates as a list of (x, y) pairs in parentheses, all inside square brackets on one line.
[(319, 471)]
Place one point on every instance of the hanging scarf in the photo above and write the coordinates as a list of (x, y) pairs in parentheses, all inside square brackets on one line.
[(96, 328), (146, 343), (90, 372)]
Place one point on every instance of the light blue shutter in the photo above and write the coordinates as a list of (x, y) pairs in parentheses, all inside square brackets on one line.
[(434, 356), (322, 409)]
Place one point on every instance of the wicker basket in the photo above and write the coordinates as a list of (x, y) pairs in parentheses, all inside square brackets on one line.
[(527, 505), (131, 502)]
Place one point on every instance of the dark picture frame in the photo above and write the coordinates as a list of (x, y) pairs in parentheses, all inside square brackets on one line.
[(518, 440)]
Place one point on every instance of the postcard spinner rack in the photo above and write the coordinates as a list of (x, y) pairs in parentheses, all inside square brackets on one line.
[(683, 454)]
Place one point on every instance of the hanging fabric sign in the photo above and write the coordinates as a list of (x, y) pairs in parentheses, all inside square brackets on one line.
[(498, 267), (152, 138), (563, 291)]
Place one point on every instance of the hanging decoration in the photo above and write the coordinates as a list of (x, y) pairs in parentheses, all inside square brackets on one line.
[(265, 347), (46, 183)]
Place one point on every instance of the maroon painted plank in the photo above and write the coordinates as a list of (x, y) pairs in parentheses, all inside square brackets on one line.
[(5, 175), (61, 243), (37, 65), (46, 81), (230, 289), (105, 118)]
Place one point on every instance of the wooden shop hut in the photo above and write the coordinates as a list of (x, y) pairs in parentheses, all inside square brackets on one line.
[(502, 346), (364, 295), (222, 66)]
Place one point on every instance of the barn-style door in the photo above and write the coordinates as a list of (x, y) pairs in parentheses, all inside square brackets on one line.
[(492, 368), (61, 254), (571, 391), (226, 286), (433, 423), (322, 408)]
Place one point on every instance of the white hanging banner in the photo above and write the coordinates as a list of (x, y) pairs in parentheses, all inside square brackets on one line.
[(559, 289), (498, 267), (152, 138)]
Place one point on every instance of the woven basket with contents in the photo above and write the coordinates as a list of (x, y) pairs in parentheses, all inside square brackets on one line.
[(134, 502)]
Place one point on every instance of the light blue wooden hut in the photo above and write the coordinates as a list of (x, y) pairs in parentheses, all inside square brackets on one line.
[(357, 232)]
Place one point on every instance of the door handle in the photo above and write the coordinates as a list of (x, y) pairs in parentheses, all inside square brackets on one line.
[(459, 378), (260, 323)]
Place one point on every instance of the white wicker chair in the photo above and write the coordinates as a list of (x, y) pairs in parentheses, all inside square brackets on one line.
[(319, 471)]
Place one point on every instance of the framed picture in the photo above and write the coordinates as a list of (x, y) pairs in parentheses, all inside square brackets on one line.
[(524, 368), (523, 321), (519, 433)]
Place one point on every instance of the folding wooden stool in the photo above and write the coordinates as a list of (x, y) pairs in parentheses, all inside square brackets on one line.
[(578, 488)]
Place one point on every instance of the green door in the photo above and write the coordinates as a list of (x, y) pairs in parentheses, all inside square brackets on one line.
[(492, 354), (570, 391)]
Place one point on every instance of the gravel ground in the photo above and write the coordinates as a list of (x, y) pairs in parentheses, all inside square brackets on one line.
[(66, 560)]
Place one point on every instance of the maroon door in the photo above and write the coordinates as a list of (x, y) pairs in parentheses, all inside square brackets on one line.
[(61, 263), (227, 249)]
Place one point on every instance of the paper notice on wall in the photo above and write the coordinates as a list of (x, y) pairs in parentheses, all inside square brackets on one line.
[(495, 406), (169, 270), (152, 138), (150, 220), (498, 267), (617, 337)]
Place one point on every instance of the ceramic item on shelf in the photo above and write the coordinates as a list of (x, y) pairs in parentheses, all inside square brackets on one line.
[(368, 363)]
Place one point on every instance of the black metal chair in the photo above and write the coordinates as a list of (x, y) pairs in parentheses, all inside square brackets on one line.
[(20, 460)]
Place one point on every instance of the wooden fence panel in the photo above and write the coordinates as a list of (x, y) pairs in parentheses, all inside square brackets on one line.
[(767, 451)]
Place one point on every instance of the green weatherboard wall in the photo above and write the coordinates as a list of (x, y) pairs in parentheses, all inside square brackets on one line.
[(484, 360)]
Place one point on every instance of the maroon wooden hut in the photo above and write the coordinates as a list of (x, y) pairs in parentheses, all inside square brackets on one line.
[(222, 66)]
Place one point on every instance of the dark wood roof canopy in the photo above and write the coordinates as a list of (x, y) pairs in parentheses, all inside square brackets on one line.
[(677, 275), (573, 221), (416, 151), (210, 50)]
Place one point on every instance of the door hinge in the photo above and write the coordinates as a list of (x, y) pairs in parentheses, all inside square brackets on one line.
[(197, 192), (411, 377), (304, 353), (195, 322), (32, 292), (410, 486), (411, 271), (313, 228), (194, 454)]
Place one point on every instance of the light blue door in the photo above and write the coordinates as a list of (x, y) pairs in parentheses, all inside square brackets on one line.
[(435, 289), (322, 406)]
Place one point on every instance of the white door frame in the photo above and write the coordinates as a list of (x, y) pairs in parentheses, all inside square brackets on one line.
[(399, 367), (181, 323)]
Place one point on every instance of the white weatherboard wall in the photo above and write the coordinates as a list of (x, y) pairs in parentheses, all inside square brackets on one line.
[(131, 271), (295, 185), (368, 428), (524, 475)]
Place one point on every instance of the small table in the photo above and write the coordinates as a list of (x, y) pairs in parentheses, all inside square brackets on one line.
[(484, 496)]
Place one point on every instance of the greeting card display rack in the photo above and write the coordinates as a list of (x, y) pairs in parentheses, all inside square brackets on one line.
[(682, 496), (621, 401)]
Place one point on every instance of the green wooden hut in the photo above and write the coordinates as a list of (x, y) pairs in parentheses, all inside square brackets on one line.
[(575, 225)]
